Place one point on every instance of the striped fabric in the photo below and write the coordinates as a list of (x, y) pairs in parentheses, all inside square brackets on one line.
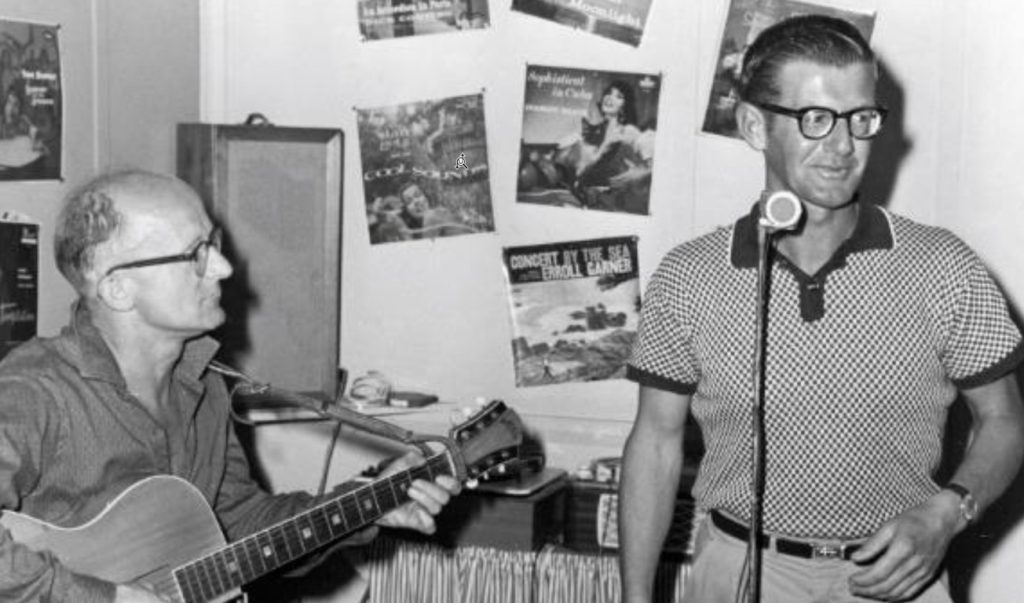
[(412, 572)]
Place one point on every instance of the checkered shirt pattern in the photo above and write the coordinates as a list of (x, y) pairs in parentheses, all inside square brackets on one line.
[(856, 401)]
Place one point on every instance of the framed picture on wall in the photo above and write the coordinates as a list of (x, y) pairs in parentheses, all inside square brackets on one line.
[(385, 19), (574, 308), (31, 129), (745, 19), (588, 139)]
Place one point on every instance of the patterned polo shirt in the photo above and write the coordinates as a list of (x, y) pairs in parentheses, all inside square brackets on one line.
[(863, 360)]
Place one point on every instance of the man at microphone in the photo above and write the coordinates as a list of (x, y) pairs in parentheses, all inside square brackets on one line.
[(875, 325)]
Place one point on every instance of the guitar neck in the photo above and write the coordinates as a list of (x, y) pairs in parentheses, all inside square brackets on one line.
[(253, 556)]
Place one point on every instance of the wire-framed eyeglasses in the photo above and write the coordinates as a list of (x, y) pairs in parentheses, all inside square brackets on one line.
[(199, 256), (818, 122)]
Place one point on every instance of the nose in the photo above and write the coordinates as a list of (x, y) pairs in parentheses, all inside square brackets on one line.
[(840, 140), (217, 266)]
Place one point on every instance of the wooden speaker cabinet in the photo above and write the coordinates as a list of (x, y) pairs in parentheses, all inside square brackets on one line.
[(277, 193)]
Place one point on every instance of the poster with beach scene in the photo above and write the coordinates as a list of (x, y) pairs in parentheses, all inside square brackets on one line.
[(574, 309)]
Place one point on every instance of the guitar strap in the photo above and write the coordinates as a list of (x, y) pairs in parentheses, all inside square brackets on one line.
[(257, 391)]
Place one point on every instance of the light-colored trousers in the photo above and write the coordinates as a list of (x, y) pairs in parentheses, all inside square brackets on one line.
[(719, 563)]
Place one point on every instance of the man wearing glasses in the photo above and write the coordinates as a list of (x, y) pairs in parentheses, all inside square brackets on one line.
[(124, 392), (875, 325)]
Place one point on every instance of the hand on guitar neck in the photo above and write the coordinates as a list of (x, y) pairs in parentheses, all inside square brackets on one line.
[(427, 498)]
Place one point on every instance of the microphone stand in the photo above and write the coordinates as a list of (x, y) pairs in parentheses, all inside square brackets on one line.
[(768, 224), (757, 423)]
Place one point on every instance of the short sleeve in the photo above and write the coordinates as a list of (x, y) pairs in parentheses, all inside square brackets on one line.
[(983, 342), (663, 355)]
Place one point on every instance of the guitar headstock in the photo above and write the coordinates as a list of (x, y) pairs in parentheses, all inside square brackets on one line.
[(488, 440)]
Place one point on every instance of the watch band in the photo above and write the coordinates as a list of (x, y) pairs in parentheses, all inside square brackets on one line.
[(960, 490), (968, 504)]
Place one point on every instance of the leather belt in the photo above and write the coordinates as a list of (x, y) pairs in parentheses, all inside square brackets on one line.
[(796, 548)]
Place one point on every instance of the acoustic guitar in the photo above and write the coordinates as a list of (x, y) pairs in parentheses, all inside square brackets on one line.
[(161, 533)]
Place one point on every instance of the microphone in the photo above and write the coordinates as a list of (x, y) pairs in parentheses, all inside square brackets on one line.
[(781, 211)]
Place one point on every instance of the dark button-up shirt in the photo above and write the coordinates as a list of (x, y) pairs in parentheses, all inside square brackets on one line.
[(72, 438)]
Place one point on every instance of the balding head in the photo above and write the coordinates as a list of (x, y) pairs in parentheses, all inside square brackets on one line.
[(95, 217)]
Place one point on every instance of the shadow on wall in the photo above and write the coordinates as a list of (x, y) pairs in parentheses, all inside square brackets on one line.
[(238, 299), (891, 146), (968, 550)]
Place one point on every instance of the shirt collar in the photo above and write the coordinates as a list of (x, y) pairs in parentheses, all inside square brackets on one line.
[(872, 231), (95, 360)]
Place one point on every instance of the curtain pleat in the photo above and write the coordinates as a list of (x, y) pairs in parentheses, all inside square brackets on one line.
[(412, 572)]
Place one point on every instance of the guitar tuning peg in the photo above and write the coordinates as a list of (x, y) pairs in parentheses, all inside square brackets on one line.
[(480, 401), (502, 469), (472, 483)]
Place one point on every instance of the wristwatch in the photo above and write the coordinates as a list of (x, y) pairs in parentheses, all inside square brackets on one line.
[(968, 504)]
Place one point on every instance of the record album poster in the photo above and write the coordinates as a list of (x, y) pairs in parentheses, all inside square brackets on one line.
[(30, 82), (19, 276), (425, 170), (619, 20), (575, 307), (588, 139), (744, 21), (384, 19)]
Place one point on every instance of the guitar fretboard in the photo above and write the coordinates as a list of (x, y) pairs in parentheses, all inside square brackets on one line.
[(253, 556)]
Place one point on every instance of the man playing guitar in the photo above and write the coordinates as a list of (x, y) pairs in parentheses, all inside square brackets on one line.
[(124, 393)]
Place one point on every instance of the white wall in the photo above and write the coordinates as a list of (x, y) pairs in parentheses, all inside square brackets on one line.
[(433, 315), (981, 198), (148, 79)]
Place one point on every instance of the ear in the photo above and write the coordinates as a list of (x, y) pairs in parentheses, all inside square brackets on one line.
[(752, 125), (116, 292)]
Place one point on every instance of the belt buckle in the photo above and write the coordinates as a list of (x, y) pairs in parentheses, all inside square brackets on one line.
[(827, 551)]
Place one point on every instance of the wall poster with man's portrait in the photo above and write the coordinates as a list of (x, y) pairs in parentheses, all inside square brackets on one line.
[(30, 82), (425, 170), (745, 20), (588, 139)]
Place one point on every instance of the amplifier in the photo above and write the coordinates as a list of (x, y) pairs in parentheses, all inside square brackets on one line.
[(591, 520), (516, 514)]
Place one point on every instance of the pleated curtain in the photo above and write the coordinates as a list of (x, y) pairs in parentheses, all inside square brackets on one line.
[(413, 572)]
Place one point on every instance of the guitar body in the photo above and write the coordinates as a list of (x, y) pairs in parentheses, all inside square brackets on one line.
[(151, 528)]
